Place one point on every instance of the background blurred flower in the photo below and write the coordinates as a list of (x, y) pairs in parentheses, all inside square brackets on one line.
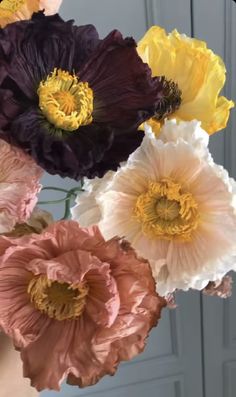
[(16, 10), (198, 73), (37, 222), (221, 288), (19, 185), (175, 206), (72, 101), (74, 304)]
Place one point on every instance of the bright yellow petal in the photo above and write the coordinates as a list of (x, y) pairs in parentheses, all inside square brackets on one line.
[(199, 73)]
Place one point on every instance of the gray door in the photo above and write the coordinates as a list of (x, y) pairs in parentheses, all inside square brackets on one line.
[(193, 350), (215, 21)]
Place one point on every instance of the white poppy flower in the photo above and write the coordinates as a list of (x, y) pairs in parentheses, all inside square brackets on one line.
[(175, 206)]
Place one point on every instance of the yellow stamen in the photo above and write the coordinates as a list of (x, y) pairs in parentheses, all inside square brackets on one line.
[(66, 102), (166, 211), (11, 5), (61, 301)]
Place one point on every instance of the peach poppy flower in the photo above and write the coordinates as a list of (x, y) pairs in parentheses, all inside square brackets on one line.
[(16, 10), (19, 185), (74, 304), (174, 205)]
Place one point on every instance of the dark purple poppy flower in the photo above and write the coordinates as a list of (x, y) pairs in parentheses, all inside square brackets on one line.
[(70, 100)]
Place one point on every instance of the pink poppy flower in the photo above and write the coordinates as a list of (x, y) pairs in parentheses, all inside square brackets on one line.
[(19, 185), (74, 304), (17, 10)]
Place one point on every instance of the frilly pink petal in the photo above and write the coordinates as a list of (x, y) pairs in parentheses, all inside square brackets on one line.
[(19, 186), (120, 309)]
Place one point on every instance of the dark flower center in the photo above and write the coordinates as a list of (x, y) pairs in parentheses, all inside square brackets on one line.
[(66, 102), (170, 101)]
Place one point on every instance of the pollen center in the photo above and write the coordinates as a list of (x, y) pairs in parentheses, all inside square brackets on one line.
[(166, 211), (66, 102), (58, 300), (10, 6), (170, 101)]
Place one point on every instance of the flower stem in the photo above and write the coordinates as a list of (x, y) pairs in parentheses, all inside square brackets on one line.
[(58, 189), (66, 199), (53, 201)]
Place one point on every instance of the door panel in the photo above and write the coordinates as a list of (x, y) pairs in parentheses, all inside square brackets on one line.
[(214, 21), (209, 25), (220, 345)]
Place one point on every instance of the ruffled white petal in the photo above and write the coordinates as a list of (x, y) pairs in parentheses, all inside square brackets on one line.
[(87, 211)]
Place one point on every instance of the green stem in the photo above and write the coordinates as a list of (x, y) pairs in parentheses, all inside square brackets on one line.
[(68, 200), (52, 201), (58, 189)]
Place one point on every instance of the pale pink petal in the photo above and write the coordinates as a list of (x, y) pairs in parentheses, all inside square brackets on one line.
[(50, 6), (19, 186)]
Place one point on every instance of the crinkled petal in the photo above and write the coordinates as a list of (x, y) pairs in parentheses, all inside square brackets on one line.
[(125, 95), (199, 73)]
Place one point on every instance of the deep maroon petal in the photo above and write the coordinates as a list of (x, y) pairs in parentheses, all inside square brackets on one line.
[(70, 154), (123, 145), (9, 107), (125, 94), (34, 48)]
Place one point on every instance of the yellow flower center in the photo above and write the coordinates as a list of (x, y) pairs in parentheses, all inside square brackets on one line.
[(66, 102), (58, 300), (10, 6), (167, 212)]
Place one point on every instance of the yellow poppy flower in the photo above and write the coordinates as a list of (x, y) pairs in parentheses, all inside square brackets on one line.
[(16, 10), (198, 72)]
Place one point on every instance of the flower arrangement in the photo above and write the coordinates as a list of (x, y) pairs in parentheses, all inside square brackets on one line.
[(153, 213)]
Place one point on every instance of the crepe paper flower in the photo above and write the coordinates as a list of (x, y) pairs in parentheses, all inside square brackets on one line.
[(19, 186), (170, 301), (198, 73), (38, 221), (175, 206), (16, 10), (74, 304), (221, 288), (72, 101), (87, 210)]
